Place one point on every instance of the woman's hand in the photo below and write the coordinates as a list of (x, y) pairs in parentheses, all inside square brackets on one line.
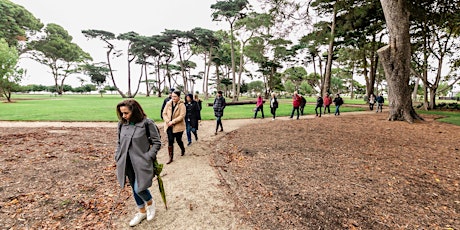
[(170, 123)]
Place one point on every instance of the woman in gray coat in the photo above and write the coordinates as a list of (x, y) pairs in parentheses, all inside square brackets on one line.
[(135, 156)]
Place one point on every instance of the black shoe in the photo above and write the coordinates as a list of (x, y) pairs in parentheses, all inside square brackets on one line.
[(190, 143), (221, 130)]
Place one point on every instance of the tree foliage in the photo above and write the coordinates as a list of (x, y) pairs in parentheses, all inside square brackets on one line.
[(17, 23)]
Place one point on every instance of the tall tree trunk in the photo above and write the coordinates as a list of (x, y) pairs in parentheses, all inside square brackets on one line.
[(330, 54), (366, 74), (182, 68), (206, 87), (146, 81), (240, 71), (352, 95), (321, 75), (396, 61), (374, 65), (232, 54), (111, 71), (414, 92)]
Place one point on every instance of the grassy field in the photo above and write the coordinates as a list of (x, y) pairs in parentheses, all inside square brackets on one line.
[(96, 108)]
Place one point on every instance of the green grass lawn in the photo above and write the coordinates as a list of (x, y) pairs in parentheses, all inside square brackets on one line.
[(448, 117), (96, 108)]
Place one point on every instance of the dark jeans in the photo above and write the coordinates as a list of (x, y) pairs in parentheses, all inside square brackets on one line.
[(141, 197), (189, 131), (379, 106), (273, 111), (219, 123), (371, 106), (337, 110), (301, 110), (316, 110), (177, 136), (295, 109), (261, 108)]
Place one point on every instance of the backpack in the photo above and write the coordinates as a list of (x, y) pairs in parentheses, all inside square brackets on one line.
[(147, 131)]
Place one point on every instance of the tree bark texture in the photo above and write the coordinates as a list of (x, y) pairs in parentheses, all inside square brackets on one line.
[(330, 54), (396, 61)]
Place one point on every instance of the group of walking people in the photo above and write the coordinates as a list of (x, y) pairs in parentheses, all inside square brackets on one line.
[(139, 142), (379, 100), (298, 104), (139, 138)]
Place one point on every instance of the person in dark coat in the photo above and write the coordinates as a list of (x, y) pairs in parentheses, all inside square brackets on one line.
[(380, 100), (198, 100), (192, 116), (338, 101), (166, 101), (135, 156), (303, 102), (273, 105), (219, 106), (319, 104)]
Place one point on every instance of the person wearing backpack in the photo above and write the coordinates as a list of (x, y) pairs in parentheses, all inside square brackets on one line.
[(338, 101), (135, 155), (319, 104), (174, 117)]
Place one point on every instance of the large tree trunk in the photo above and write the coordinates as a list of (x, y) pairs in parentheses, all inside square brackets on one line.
[(330, 54), (396, 61)]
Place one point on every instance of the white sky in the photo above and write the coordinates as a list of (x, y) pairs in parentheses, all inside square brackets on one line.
[(146, 17)]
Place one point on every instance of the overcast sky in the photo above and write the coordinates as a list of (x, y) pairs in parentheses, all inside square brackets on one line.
[(146, 17)]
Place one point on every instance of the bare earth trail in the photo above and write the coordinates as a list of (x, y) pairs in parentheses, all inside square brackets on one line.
[(202, 194), (197, 199)]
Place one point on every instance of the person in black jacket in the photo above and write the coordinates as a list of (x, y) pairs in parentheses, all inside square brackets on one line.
[(219, 106), (273, 105), (192, 116), (338, 101), (380, 100), (319, 104)]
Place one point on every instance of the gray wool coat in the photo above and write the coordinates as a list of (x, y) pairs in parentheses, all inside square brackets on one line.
[(133, 140)]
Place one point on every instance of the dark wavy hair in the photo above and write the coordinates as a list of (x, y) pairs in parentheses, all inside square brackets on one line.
[(137, 113)]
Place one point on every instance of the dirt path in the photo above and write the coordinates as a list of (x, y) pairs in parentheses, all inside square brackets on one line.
[(196, 196)]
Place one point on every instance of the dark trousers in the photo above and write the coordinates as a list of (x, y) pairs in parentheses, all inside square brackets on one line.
[(328, 107), (176, 136), (261, 108), (273, 111), (371, 106), (316, 109), (295, 109), (219, 123)]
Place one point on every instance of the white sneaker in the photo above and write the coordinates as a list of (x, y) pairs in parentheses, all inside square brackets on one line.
[(150, 211), (139, 217)]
